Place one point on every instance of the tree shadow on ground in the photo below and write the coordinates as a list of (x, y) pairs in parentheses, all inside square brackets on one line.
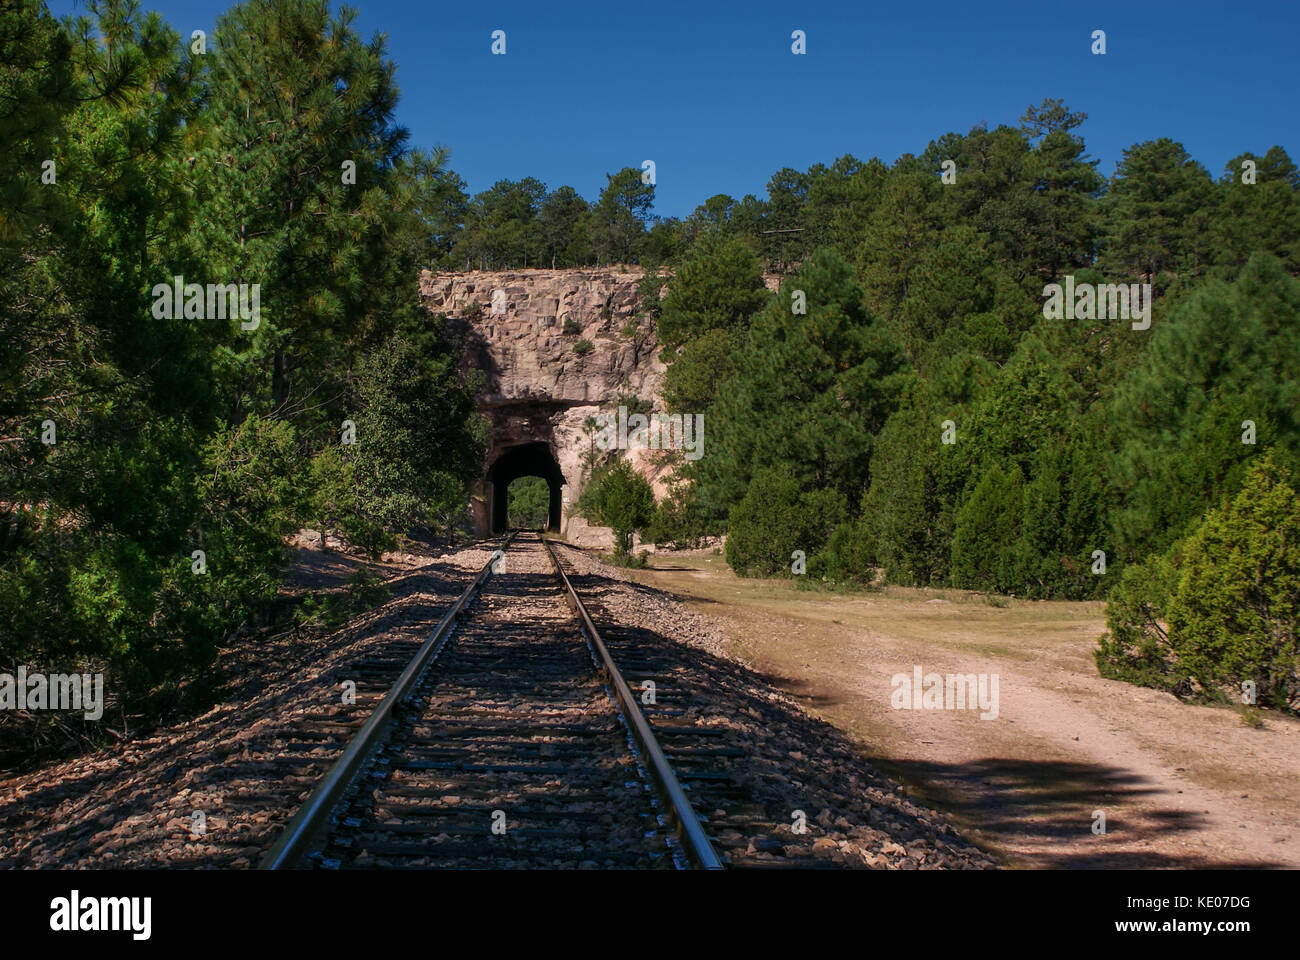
[(1005, 800)]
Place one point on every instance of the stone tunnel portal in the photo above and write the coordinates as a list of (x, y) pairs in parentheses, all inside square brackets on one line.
[(524, 460)]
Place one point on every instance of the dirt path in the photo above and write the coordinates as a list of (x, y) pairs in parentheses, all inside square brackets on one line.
[(1180, 785)]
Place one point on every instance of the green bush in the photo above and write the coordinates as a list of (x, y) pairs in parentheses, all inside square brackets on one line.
[(988, 526), (618, 497), (249, 487), (848, 556), (776, 517), (1235, 613), (583, 347), (416, 445), (1233, 602), (1135, 647), (333, 503), (528, 503), (678, 522)]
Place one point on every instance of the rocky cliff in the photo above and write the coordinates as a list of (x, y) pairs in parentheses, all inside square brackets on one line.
[(557, 347), (525, 330)]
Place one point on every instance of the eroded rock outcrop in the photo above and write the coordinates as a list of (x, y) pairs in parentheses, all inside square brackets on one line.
[(525, 328)]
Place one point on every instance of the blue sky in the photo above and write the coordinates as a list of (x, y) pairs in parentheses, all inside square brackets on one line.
[(712, 93)]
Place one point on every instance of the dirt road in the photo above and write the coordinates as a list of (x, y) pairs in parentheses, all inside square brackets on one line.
[(1179, 785)]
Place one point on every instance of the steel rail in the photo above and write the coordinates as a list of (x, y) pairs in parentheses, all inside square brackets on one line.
[(690, 834), (312, 816)]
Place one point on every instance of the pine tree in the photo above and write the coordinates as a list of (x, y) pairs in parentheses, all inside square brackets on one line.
[(619, 216), (295, 97), (1220, 357), (810, 389), (777, 516), (986, 531), (1259, 216), (1158, 212)]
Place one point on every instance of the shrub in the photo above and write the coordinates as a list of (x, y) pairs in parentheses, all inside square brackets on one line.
[(983, 542), (620, 498), (571, 327), (528, 503), (1234, 615), (635, 561), (583, 347), (1228, 597), (333, 503), (776, 517), (419, 442), (678, 521), (847, 557), (1135, 647)]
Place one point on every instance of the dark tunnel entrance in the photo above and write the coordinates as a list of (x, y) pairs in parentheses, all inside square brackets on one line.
[(524, 460)]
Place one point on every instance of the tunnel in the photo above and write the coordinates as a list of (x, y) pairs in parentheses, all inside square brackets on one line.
[(524, 460)]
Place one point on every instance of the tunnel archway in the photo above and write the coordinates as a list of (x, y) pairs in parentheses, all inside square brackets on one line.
[(525, 460)]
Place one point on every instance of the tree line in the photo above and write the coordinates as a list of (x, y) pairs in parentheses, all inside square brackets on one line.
[(903, 408), (153, 461)]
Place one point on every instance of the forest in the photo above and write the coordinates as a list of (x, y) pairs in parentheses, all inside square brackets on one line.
[(901, 411), (153, 461)]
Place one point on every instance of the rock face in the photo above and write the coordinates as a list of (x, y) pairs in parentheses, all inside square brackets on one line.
[(523, 328)]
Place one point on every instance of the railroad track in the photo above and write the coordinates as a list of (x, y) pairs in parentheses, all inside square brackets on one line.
[(511, 739), (692, 711)]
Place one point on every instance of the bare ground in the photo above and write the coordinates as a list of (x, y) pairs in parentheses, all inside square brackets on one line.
[(1180, 785), (247, 764)]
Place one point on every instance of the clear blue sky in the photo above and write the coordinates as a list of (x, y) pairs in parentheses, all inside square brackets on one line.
[(712, 93)]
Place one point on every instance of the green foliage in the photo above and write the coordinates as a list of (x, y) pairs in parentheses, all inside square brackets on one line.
[(334, 503), (504, 225), (699, 368), (1221, 606), (528, 503), (776, 517), (1061, 524), (988, 525), (417, 443), (248, 486), (916, 481), (702, 319), (1221, 356), (1263, 216), (923, 305), (1235, 612), (1158, 210), (618, 497), (184, 434), (619, 215), (718, 287), (648, 293), (823, 382), (678, 521), (848, 557)]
